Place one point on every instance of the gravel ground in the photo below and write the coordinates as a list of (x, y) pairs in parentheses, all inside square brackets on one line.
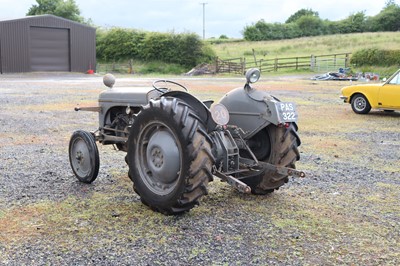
[(345, 212)]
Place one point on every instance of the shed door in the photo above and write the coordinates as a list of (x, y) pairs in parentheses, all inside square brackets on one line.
[(49, 49)]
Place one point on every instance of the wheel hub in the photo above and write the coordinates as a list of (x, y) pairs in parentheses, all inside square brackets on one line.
[(157, 157), (360, 103), (79, 157), (82, 166), (163, 157)]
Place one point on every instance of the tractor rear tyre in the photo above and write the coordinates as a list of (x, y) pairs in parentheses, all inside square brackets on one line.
[(169, 156), (277, 146)]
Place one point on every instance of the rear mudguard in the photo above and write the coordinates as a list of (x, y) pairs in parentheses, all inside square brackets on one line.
[(253, 110), (202, 110)]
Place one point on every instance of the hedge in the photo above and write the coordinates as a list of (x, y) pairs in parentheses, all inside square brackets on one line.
[(376, 57), (186, 49)]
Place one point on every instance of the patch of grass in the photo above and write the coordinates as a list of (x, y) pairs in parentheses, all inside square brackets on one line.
[(141, 68), (328, 222)]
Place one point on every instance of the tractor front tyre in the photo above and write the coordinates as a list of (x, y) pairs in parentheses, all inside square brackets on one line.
[(84, 156), (169, 156), (279, 146)]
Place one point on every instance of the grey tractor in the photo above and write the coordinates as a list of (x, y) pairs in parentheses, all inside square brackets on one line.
[(176, 144)]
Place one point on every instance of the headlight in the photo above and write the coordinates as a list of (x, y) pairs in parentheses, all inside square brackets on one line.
[(219, 114), (253, 75)]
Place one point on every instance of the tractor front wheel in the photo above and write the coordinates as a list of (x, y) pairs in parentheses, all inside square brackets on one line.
[(84, 156)]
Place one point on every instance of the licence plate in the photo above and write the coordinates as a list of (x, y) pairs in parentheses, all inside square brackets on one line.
[(286, 112)]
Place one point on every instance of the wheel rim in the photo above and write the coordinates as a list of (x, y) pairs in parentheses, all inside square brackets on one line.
[(360, 104), (80, 157), (260, 145), (158, 158)]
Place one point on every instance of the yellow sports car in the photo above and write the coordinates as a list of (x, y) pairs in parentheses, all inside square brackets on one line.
[(384, 96)]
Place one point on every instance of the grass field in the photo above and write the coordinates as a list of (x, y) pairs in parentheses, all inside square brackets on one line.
[(331, 44)]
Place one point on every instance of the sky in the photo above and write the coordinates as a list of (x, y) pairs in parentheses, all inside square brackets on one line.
[(222, 17)]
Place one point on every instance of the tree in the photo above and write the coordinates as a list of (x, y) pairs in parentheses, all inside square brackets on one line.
[(62, 8), (388, 18), (301, 13), (356, 22), (311, 25)]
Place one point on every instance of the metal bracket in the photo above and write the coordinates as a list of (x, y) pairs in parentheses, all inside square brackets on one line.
[(234, 182), (283, 170)]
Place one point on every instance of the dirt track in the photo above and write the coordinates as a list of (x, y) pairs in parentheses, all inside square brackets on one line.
[(346, 211)]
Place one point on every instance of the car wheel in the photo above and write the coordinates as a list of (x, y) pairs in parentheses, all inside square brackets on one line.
[(360, 104)]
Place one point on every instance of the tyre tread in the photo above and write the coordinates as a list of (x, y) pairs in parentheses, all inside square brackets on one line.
[(199, 149)]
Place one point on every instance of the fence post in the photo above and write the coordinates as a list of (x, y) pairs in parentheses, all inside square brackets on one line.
[(276, 65), (130, 63), (347, 61), (334, 61), (297, 63), (216, 65), (254, 55), (312, 63)]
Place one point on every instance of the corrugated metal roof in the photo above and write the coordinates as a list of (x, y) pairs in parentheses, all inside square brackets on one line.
[(44, 16)]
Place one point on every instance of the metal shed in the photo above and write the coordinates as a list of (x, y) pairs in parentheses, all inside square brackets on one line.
[(46, 43)]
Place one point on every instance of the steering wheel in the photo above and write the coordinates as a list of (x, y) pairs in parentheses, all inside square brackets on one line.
[(164, 89)]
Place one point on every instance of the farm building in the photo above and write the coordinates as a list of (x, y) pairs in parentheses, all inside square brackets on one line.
[(46, 43)]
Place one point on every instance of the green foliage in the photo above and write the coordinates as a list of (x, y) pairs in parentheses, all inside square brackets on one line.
[(301, 13), (268, 31), (306, 22), (62, 8), (357, 22), (182, 49), (118, 43), (311, 26), (387, 19), (376, 57)]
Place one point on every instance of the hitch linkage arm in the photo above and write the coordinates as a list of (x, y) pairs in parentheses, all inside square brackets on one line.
[(234, 182), (282, 170)]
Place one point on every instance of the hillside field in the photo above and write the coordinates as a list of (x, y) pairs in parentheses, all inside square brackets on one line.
[(320, 45)]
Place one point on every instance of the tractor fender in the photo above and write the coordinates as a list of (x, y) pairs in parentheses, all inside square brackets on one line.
[(251, 110), (202, 110)]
